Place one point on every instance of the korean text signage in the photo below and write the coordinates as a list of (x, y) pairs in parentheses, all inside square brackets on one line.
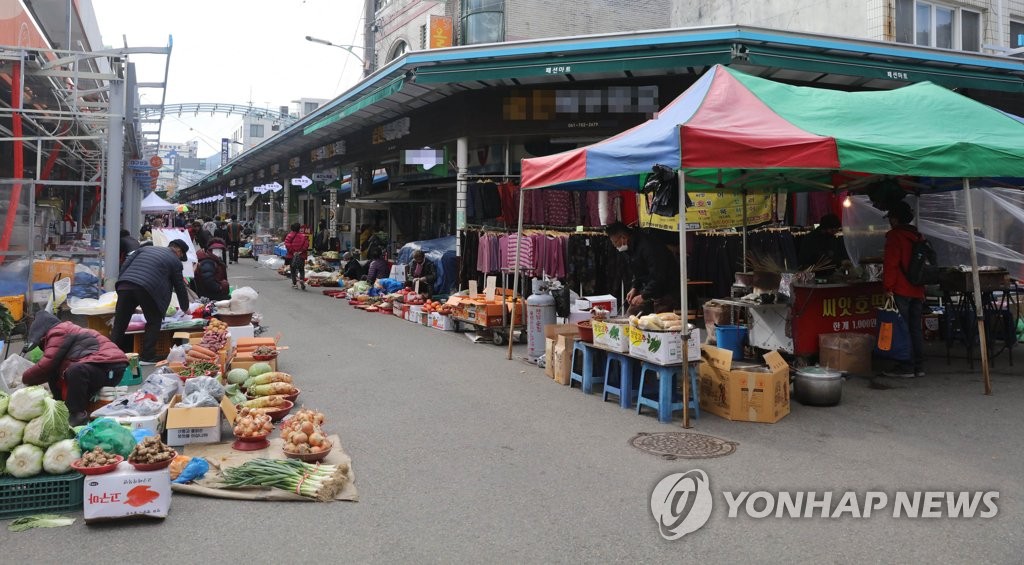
[(713, 210), (825, 310), (391, 131), (440, 32), (225, 145)]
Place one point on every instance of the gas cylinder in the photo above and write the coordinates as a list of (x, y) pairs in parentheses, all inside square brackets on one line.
[(540, 311)]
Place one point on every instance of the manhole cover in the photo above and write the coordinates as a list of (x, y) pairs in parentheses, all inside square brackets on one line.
[(686, 445)]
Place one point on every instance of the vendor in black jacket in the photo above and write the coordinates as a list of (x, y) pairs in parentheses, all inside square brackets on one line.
[(147, 277), (654, 268), (423, 271)]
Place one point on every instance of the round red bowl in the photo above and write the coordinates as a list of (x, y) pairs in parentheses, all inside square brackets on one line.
[(76, 465), (309, 457), (278, 413), (291, 397), (264, 357), (154, 466)]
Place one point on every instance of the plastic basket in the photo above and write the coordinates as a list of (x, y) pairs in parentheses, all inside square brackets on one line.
[(15, 305), (45, 493)]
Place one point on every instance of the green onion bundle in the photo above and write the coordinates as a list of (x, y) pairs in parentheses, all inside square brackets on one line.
[(322, 482)]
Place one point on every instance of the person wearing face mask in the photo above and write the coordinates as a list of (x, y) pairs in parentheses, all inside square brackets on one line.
[(655, 270)]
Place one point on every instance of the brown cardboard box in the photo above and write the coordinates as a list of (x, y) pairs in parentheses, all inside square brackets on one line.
[(556, 359), (847, 352), (747, 393), (197, 425)]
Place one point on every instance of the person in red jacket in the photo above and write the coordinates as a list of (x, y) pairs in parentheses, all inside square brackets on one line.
[(296, 243), (909, 297), (77, 362)]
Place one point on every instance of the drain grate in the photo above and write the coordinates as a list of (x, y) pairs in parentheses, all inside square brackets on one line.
[(684, 445)]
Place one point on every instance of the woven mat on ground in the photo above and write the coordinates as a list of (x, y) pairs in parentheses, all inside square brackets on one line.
[(220, 455)]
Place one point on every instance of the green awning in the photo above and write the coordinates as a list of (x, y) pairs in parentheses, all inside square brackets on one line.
[(374, 96), (904, 71), (579, 64)]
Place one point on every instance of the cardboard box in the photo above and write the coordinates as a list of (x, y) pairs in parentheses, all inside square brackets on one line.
[(604, 302), (439, 321), (236, 333), (45, 271), (663, 348), (611, 335), (847, 352), (197, 425), (156, 423), (401, 310), (744, 392), (558, 343), (127, 493), (413, 315)]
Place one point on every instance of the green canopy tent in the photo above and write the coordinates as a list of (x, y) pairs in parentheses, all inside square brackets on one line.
[(730, 129)]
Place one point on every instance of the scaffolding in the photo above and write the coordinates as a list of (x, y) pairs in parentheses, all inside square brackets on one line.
[(70, 127)]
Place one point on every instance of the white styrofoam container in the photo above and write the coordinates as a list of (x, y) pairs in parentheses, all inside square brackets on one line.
[(125, 493)]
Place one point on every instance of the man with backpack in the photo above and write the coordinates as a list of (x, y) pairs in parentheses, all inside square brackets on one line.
[(905, 273), (234, 239)]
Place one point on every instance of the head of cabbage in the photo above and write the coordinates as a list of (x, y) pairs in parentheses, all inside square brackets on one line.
[(49, 427), (28, 403)]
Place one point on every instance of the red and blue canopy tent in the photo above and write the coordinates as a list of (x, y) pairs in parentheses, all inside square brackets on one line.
[(733, 130)]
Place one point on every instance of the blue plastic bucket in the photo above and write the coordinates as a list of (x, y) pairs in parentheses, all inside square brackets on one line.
[(732, 338)]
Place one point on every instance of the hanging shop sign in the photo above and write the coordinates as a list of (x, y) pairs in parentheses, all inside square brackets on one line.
[(138, 164), (391, 131), (293, 163), (302, 181), (441, 32), (712, 211)]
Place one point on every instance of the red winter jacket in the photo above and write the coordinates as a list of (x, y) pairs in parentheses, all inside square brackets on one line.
[(296, 242), (64, 343), (898, 244)]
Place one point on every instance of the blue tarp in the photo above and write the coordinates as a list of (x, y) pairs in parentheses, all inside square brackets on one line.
[(439, 251)]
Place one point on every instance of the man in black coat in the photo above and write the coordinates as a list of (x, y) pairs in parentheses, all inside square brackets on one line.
[(147, 277), (654, 268)]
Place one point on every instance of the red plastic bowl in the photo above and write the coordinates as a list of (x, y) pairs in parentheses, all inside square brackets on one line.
[(76, 465), (278, 413), (309, 457), (154, 466), (251, 443), (264, 357), (291, 397)]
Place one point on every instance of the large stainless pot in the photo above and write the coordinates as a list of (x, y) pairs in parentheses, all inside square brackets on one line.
[(818, 386)]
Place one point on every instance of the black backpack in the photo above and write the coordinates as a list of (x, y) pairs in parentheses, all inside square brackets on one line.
[(922, 268)]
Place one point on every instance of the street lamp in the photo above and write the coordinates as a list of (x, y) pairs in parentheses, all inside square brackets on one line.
[(348, 48)]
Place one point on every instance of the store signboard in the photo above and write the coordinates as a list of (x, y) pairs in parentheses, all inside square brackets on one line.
[(441, 32), (834, 309), (712, 210)]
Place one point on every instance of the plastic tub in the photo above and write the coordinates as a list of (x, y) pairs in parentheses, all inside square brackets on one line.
[(732, 338), (586, 331)]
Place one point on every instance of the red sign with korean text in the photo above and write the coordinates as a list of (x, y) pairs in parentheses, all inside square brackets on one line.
[(839, 309)]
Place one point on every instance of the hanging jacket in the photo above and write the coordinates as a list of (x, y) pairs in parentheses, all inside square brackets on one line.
[(296, 242), (211, 278), (898, 244), (64, 343)]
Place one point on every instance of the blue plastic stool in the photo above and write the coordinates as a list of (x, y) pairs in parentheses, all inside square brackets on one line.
[(625, 390), (589, 356), (667, 401)]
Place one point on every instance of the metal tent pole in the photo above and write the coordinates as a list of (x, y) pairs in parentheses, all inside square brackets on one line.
[(115, 164), (515, 279), (684, 372), (976, 282)]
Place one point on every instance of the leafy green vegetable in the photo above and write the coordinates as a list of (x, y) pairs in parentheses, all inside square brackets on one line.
[(28, 403), (39, 521), (11, 432), (59, 456), (25, 461), (51, 426)]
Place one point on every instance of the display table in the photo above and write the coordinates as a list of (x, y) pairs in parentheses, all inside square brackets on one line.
[(999, 304), (833, 308)]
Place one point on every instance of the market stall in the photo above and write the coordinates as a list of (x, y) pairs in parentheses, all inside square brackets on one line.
[(736, 132)]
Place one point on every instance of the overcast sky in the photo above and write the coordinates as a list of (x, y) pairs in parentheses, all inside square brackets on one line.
[(236, 51)]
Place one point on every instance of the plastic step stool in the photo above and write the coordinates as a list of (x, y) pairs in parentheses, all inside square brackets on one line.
[(589, 357), (667, 400), (625, 389)]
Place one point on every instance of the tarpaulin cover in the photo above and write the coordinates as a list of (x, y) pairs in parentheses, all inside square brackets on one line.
[(441, 252), (729, 120)]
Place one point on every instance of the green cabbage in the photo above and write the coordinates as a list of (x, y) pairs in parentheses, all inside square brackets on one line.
[(59, 456), (28, 403), (258, 369), (11, 432), (235, 377), (51, 426), (25, 461), (4, 399)]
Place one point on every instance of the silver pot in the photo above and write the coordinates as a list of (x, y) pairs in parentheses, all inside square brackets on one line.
[(818, 386)]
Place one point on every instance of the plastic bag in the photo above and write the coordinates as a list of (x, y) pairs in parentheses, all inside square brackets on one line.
[(195, 469), (176, 354), (142, 433), (108, 435), (209, 385), (163, 384), (271, 261), (11, 371), (138, 403), (198, 399), (61, 290)]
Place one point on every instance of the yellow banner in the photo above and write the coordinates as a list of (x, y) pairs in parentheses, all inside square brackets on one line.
[(712, 210)]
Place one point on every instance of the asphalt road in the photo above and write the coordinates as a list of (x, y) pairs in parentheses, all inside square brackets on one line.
[(464, 457)]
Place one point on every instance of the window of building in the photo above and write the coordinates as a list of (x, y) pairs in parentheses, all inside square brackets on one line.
[(255, 130), (423, 36), (400, 48), (483, 21), (1016, 34), (309, 107), (936, 25)]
